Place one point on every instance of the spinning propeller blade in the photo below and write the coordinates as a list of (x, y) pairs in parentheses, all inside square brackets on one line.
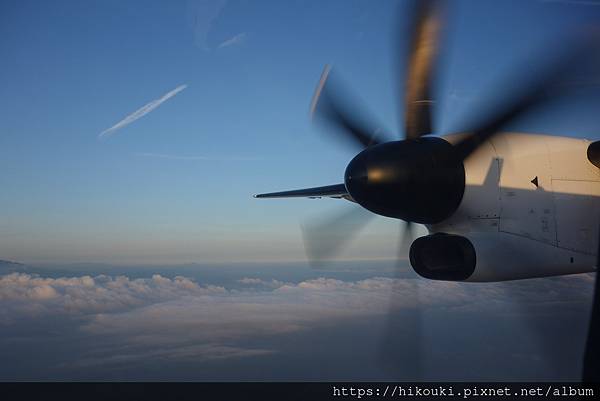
[(415, 91), (324, 238), (548, 84), (331, 104)]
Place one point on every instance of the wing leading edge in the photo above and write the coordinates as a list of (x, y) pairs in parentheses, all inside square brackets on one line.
[(329, 191)]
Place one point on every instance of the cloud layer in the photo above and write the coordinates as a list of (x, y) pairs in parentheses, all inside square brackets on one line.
[(132, 321), (142, 111), (28, 294)]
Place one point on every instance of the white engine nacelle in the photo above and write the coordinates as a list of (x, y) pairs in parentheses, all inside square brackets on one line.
[(492, 256)]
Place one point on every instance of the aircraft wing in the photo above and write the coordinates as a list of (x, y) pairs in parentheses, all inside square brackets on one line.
[(329, 191)]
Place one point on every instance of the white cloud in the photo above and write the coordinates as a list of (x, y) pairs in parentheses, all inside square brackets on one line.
[(261, 283), (235, 40), (142, 111), (34, 295), (248, 280)]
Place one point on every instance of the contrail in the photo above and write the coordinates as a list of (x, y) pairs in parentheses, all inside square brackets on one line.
[(142, 111), (236, 40), (206, 158)]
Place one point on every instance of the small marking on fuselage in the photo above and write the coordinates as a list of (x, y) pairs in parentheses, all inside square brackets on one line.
[(535, 182)]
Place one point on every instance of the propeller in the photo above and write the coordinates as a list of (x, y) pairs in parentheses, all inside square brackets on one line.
[(335, 105)]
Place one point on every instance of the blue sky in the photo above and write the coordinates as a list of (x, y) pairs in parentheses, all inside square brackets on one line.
[(176, 184)]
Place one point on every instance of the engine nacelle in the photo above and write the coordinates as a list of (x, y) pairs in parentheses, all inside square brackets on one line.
[(492, 256), (443, 257)]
